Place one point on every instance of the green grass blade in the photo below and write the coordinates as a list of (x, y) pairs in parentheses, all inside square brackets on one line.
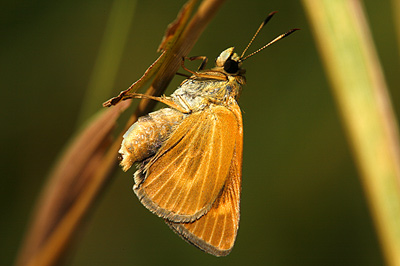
[(109, 57), (348, 52), (396, 19)]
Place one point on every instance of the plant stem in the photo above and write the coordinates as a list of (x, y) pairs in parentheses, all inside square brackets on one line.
[(347, 50)]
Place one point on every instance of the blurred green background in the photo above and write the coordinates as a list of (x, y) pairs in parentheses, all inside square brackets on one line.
[(302, 202)]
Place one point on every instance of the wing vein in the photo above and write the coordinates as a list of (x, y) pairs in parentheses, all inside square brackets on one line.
[(186, 178), (223, 231), (211, 144)]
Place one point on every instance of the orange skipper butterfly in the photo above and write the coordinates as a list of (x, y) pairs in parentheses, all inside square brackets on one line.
[(189, 155)]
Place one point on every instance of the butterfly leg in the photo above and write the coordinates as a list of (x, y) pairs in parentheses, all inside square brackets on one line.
[(203, 63), (201, 67), (164, 100)]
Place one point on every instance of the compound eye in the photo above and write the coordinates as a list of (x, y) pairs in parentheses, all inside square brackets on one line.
[(231, 66)]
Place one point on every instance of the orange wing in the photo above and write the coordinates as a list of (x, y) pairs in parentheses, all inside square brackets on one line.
[(216, 231), (183, 180)]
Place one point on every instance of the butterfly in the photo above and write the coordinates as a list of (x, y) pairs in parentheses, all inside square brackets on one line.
[(189, 155)]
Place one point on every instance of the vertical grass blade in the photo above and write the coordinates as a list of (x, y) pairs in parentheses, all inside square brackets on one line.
[(396, 19), (109, 57), (348, 53)]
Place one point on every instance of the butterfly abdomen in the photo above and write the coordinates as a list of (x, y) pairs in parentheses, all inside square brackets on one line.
[(146, 136)]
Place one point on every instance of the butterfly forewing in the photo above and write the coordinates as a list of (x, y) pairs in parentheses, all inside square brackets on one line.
[(188, 173), (215, 232)]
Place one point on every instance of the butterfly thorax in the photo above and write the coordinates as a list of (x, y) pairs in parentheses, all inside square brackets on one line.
[(198, 93), (219, 85)]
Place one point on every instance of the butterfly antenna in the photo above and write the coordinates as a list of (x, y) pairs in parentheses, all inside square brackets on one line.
[(270, 15), (271, 42)]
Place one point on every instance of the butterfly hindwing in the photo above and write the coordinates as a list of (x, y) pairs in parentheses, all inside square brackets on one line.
[(216, 231)]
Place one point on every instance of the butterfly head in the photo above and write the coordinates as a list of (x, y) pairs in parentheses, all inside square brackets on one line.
[(230, 62)]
